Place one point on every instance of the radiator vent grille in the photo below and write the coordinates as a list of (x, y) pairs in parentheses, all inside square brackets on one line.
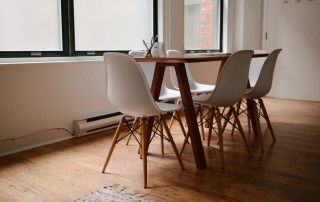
[(96, 124)]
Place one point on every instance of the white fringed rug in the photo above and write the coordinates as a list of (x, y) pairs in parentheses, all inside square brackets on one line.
[(112, 195)]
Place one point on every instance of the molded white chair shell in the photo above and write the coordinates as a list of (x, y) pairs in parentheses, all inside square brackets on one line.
[(166, 94), (129, 92), (264, 82), (230, 88), (255, 67), (231, 83), (124, 73), (261, 88), (195, 87), (254, 95)]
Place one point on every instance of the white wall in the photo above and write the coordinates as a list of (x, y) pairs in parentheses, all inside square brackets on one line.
[(295, 27), (243, 25), (40, 97), (173, 24)]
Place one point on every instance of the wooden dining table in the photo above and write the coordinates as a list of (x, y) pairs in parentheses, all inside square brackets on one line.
[(179, 64)]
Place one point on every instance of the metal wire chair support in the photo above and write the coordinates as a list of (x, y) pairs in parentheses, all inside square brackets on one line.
[(224, 116), (135, 130), (131, 130), (244, 110), (156, 130)]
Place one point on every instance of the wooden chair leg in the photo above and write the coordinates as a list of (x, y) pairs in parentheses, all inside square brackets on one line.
[(200, 113), (140, 148), (264, 110), (218, 119), (161, 138), (233, 127), (173, 116), (129, 138), (227, 119), (144, 144), (181, 124), (184, 144), (172, 119), (248, 115), (241, 132), (136, 120), (133, 126), (248, 118), (114, 142), (173, 144), (185, 141), (237, 112), (257, 120), (249, 122), (210, 124)]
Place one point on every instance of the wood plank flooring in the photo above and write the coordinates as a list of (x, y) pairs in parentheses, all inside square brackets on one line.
[(288, 170)]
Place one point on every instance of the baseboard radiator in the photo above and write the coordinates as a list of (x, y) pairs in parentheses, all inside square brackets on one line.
[(87, 126)]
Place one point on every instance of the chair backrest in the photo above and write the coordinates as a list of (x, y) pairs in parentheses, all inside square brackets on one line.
[(148, 69), (192, 82), (264, 82), (232, 81), (127, 87), (255, 67)]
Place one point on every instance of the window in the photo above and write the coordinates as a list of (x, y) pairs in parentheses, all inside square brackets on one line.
[(203, 25), (111, 25), (31, 26), (74, 27)]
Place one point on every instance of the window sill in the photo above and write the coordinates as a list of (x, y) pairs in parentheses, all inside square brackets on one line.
[(49, 59)]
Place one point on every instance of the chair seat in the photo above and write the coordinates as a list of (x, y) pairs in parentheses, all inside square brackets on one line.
[(261, 86), (247, 91), (229, 89), (123, 75), (195, 87), (169, 94), (248, 94), (201, 98), (167, 107), (203, 88)]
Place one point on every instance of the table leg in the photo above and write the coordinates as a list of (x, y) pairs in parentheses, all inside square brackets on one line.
[(190, 115), (252, 115)]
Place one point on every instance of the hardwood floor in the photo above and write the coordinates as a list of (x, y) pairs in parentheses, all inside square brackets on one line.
[(288, 170)]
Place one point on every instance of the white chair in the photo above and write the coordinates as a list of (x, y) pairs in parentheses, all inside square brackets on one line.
[(195, 87), (230, 88), (166, 94), (254, 70), (255, 67), (122, 71), (261, 88)]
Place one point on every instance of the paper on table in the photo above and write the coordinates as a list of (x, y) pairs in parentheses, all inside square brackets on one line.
[(158, 50)]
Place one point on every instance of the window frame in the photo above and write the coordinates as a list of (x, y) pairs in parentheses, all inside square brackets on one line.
[(188, 51), (68, 40)]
